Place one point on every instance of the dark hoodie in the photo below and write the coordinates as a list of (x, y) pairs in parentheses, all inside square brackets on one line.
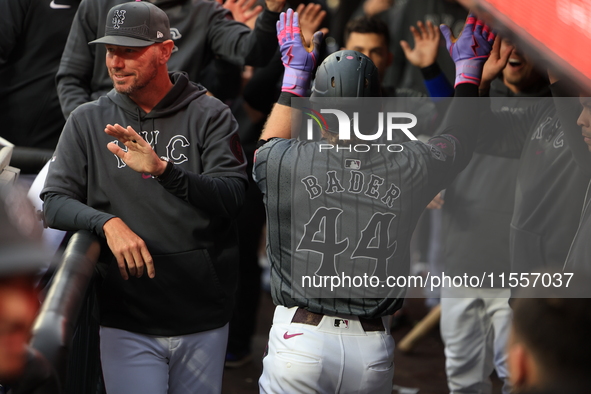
[(569, 109), (201, 30), (187, 221), (550, 188)]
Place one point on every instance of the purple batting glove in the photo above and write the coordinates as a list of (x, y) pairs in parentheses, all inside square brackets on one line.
[(470, 50), (298, 62)]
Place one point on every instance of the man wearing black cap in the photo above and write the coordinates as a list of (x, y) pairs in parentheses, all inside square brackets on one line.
[(162, 185), (201, 30), (336, 211)]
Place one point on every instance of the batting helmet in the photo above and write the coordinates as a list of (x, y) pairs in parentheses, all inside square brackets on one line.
[(346, 74)]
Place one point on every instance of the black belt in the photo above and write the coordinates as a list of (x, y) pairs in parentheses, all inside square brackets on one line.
[(304, 316)]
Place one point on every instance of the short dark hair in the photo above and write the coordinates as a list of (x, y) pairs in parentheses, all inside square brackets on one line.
[(367, 24), (556, 332)]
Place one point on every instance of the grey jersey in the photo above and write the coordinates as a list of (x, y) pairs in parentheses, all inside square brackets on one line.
[(569, 109), (330, 213), (545, 217), (479, 203)]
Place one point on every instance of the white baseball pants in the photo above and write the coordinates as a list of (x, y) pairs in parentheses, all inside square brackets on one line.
[(475, 328), (333, 357)]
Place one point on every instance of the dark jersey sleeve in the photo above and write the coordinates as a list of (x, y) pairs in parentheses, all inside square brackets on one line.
[(65, 191), (77, 64), (231, 40), (504, 133), (68, 214), (459, 129)]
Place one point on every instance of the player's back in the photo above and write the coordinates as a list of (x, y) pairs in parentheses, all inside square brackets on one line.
[(339, 210)]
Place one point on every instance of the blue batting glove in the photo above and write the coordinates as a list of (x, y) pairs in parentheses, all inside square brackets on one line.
[(299, 63), (470, 50)]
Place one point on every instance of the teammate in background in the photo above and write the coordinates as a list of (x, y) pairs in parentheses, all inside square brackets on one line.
[(200, 29), (164, 200), (400, 18), (517, 77), (423, 55), (370, 36), (29, 59), (549, 344), (550, 186), (22, 369), (476, 218), (314, 343), (575, 117)]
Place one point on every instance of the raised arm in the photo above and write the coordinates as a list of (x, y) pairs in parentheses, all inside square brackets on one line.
[(222, 186), (469, 52), (424, 56), (299, 59), (229, 40)]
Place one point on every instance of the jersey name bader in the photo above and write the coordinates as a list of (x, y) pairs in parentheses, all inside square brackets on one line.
[(374, 186)]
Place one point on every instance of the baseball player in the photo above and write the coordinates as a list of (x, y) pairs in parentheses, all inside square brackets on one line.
[(359, 207)]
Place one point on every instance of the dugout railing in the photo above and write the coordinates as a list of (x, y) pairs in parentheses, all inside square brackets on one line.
[(66, 329)]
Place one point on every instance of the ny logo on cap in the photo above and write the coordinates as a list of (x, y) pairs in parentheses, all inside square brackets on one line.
[(118, 18)]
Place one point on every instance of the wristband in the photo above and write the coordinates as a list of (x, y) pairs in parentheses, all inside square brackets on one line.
[(167, 170), (285, 98)]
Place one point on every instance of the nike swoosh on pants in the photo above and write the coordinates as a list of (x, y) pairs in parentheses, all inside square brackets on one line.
[(287, 336)]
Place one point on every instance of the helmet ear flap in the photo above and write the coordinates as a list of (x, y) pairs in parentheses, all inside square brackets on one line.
[(346, 74)]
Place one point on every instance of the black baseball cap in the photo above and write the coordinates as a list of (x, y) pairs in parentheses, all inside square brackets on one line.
[(135, 24)]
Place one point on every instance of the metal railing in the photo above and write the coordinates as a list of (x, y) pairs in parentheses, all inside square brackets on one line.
[(30, 160), (59, 318)]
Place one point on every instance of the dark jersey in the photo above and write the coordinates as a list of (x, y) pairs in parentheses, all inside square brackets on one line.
[(550, 186), (334, 213), (569, 109), (479, 203)]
